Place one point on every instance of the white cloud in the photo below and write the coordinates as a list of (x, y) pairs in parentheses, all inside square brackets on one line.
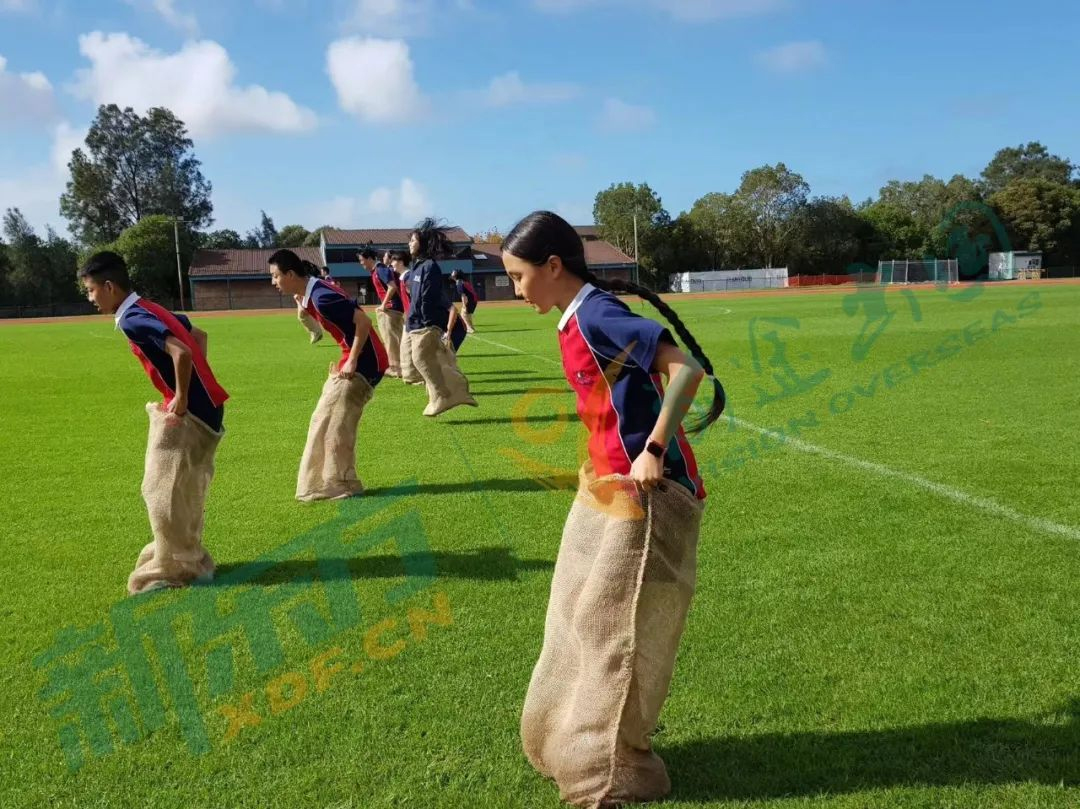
[(382, 207), (508, 89), (24, 97), (381, 200), (36, 191), (66, 139), (684, 10), (618, 116), (374, 79), (413, 201), (196, 83), (166, 9), (794, 57)]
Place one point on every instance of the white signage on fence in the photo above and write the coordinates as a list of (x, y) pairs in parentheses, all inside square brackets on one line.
[(721, 280)]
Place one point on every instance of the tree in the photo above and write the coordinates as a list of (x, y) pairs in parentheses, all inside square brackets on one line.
[(265, 236), (773, 197), (614, 211), (150, 253), (920, 214), (492, 236), (831, 237), (292, 236), (676, 247), (721, 226), (313, 238), (134, 166), (38, 271), (1042, 215), (222, 240), (1029, 161)]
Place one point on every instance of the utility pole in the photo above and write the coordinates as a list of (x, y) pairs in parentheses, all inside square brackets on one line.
[(636, 276), (176, 241)]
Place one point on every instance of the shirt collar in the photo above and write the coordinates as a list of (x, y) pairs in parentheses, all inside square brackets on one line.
[(307, 292), (128, 302), (583, 293)]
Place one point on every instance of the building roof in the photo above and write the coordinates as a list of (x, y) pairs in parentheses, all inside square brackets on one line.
[(243, 262), (588, 231), (492, 257), (383, 236), (598, 253)]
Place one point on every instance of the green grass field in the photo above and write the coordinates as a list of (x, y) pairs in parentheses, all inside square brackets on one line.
[(886, 615)]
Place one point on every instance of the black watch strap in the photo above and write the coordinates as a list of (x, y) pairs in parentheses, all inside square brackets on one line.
[(653, 448)]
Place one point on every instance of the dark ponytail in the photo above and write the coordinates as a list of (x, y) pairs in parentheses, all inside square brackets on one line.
[(543, 234)]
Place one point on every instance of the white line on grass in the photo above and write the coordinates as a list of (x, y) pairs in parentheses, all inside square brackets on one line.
[(948, 492), (956, 495), (516, 350)]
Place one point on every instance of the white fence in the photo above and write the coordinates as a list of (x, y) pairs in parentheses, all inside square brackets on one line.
[(721, 280)]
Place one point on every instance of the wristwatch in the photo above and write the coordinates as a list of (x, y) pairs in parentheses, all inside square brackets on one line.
[(653, 448)]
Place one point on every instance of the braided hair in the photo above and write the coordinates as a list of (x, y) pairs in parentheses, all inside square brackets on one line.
[(543, 234)]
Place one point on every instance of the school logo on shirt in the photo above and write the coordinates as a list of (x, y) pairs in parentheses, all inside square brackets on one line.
[(585, 378)]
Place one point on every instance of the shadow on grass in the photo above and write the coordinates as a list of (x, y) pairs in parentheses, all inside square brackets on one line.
[(981, 751), (508, 378), (482, 564), (507, 331), (521, 391), (508, 420), (558, 482)]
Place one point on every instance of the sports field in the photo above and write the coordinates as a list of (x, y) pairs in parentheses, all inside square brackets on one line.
[(887, 614)]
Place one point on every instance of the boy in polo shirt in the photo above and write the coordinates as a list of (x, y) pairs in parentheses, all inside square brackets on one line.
[(328, 466), (390, 313), (185, 428), (465, 293)]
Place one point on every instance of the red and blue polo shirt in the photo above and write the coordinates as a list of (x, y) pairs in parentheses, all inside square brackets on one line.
[(147, 326), (335, 312), (607, 354), (382, 277), (465, 290)]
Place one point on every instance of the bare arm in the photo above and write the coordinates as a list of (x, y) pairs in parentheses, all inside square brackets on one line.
[(181, 357), (684, 376), (363, 329), (199, 336)]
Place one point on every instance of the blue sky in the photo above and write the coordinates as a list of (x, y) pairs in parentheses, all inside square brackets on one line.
[(372, 112)]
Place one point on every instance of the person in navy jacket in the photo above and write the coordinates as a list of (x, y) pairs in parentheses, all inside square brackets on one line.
[(427, 321)]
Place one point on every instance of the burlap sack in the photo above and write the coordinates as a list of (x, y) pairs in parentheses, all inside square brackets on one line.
[(409, 373), (309, 323), (447, 387), (391, 324), (179, 467), (622, 587), (328, 467)]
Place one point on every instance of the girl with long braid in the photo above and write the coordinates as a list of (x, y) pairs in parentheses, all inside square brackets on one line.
[(627, 563)]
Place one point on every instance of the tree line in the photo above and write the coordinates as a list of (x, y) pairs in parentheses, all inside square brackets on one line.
[(1025, 199), (136, 175)]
